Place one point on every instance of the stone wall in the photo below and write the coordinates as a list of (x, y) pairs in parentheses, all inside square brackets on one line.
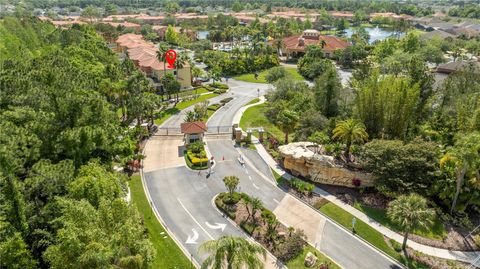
[(300, 159)]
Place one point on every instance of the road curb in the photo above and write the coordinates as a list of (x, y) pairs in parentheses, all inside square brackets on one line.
[(249, 237), (159, 217)]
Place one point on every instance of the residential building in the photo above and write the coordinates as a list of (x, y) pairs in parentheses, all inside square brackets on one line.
[(296, 45), (144, 56)]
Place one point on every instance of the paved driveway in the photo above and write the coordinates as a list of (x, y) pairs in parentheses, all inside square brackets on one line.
[(163, 152)]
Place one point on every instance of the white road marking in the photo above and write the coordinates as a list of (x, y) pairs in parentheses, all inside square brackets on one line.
[(246, 171), (191, 216), (192, 240), (216, 226), (249, 177), (276, 201), (256, 187)]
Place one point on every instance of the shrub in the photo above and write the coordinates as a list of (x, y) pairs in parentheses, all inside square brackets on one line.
[(292, 247), (208, 88), (275, 73), (226, 100), (267, 214), (214, 107), (196, 147), (219, 91), (356, 182), (476, 238), (219, 85), (235, 198), (395, 245), (301, 186)]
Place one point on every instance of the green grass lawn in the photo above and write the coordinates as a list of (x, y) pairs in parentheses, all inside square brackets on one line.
[(250, 77), (255, 117), (297, 263), (366, 232), (436, 232), (164, 115), (169, 254), (256, 100)]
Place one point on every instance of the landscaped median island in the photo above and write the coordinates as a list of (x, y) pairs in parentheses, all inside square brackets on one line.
[(163, 115), (169, 254), (285, 243), (195, 156)]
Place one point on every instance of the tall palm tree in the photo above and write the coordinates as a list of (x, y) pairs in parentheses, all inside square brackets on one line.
[(232, 253), (410, 212), (286, 121), (256, 205), (350, 131), (162, 57)]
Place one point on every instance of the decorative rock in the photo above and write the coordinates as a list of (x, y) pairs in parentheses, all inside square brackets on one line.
[(301, 159), (310, 260)]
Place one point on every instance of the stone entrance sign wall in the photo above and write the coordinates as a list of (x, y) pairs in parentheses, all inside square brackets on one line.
[(300, 158)]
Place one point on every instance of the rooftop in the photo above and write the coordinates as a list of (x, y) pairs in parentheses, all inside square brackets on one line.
[(193, 127)]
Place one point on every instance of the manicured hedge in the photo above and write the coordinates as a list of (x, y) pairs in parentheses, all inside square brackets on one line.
[(219, 85)]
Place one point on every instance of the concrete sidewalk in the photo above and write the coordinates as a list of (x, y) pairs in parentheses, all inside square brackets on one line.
[(464, 256)]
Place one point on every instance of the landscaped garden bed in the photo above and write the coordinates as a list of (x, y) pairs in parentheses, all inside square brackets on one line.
[(195, 156), (365, 231), (443, 234), (285, 243)]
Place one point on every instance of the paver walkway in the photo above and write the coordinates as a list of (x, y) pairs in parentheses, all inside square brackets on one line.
[(465, 256)]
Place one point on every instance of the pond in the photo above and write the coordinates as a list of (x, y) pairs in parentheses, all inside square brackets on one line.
[(376, 33)]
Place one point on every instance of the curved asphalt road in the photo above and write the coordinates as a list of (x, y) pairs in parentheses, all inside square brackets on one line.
[(183, 197)]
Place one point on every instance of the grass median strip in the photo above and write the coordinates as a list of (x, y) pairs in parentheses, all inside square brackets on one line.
[(162, 116), (169, 255)]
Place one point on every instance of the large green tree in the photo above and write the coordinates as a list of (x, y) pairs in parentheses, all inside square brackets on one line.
[(328, 93), (387, 105), (400, 167)]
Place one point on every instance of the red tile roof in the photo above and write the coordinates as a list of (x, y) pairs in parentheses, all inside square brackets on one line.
[(332, 43), (193, 127)]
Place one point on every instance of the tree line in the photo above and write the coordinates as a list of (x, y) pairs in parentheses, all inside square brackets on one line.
[(65, 103)]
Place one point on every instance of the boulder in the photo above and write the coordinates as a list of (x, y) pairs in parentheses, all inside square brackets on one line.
[(310, 260), (301, 158)]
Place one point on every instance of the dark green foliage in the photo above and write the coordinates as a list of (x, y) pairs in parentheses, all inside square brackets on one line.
[(292, 247), (59, 201), (327, 92), (244, 62), (275, 74), (402, 168), (301, 186), (312, 64)]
